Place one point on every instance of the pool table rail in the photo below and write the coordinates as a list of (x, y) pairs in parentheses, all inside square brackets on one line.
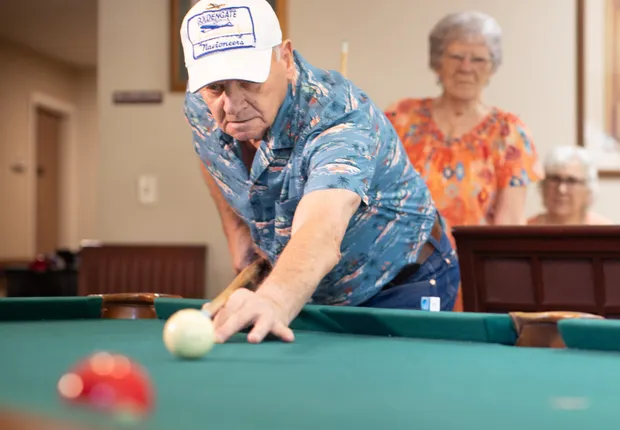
[(522, 329)]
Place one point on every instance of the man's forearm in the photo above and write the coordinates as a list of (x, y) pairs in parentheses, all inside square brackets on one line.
[(309, 256)]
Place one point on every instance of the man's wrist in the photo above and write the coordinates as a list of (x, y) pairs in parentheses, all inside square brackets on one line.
[(284, 302)]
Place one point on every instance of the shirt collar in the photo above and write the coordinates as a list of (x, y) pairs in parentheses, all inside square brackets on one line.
[(279, 135)]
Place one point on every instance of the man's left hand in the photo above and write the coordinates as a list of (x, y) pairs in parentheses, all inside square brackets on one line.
[(245, 308)]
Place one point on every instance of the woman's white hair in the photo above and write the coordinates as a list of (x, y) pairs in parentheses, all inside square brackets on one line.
[(463, 27), (561, 156)]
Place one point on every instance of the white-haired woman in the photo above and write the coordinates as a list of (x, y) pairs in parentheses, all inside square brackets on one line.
[(477, 159), (568, 190)]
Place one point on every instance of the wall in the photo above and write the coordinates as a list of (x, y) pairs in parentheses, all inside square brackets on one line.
[(155, 140), (88, 153), (23, 73), (388, 58)]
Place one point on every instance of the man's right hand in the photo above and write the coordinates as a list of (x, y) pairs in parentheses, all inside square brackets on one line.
[(243, 253)]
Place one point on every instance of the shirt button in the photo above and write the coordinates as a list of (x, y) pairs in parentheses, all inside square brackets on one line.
[(433, 282), (448, 260)]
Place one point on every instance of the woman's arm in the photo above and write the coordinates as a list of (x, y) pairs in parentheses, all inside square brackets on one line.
[(510, 206)]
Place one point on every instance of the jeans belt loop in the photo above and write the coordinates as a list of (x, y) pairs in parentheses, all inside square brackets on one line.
[(428, 248)]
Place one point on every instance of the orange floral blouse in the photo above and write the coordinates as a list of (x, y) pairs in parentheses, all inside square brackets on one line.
[(465, 174)]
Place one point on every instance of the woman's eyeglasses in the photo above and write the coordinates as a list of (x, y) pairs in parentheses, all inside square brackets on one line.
[(569, 181)]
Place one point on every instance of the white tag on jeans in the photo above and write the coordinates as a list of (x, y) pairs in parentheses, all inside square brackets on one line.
[(432, 304)]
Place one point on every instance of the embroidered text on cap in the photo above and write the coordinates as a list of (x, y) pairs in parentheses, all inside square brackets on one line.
[(220, 30)]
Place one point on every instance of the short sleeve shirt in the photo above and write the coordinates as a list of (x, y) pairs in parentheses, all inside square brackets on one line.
[(328, 134), (465, 174)]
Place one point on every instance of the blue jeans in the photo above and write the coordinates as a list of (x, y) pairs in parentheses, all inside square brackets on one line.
[(439, 276)]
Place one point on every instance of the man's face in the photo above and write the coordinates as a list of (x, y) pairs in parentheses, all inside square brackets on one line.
[(245, 110)]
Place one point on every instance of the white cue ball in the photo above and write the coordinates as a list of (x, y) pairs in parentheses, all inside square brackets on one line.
[(189, 333)]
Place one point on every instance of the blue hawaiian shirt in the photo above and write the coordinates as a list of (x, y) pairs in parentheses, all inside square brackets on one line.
[(327, 134)]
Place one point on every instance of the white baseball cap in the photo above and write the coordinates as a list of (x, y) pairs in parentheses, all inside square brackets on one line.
[(229, 39)]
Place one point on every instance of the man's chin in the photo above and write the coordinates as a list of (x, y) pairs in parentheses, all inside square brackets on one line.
[(244, 133), (244, 136)]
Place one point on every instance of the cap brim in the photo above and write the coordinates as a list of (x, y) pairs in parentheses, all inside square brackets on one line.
[(243, 64)]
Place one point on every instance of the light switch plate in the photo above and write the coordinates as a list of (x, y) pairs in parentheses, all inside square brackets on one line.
[(147, 189)]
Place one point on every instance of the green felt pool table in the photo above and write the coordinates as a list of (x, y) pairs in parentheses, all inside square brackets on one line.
[(349, 368)]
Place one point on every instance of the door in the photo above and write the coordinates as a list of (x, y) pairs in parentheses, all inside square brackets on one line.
[(47, 211)]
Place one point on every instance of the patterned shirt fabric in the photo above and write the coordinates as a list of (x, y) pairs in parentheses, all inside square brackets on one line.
[(328, 134), (465, 174)]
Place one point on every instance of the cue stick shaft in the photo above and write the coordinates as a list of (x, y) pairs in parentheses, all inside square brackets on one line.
[(246, 277), (344, 58)]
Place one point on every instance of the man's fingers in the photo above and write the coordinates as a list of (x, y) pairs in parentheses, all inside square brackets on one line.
[(234, 323), (261, 328), (283, 332), (220, 318), (237, 300), (243, 310), (234, 303), (265, 325), (231, 317)]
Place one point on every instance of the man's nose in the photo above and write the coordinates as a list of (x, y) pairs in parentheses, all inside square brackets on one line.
[(234, 100)]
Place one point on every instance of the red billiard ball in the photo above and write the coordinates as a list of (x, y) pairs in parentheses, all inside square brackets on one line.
[(111, 383)]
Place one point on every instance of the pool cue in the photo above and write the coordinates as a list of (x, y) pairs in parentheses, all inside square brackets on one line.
[(249, 276), (344, 58)]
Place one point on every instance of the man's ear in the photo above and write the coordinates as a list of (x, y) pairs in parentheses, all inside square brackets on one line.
[(286, 55)]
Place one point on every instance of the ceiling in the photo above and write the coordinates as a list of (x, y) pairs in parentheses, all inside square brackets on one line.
[(62, 29)]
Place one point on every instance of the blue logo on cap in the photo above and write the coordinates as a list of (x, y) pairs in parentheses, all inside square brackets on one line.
[(206, 27)]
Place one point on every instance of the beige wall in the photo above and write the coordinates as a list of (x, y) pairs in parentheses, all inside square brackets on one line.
[(388, 58), (24, 75), (87, 154), (153, 140)]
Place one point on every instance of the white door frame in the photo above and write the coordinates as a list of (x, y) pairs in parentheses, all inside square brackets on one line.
[(68, 169)]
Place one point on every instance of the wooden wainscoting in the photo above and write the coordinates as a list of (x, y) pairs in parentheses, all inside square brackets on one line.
[(129, 268), (540, 268)]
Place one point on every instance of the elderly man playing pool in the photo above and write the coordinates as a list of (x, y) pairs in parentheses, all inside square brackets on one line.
[(306, 169)]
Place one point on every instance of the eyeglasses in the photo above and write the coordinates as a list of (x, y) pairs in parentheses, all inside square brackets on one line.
[(476, 61), (569, 181)]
